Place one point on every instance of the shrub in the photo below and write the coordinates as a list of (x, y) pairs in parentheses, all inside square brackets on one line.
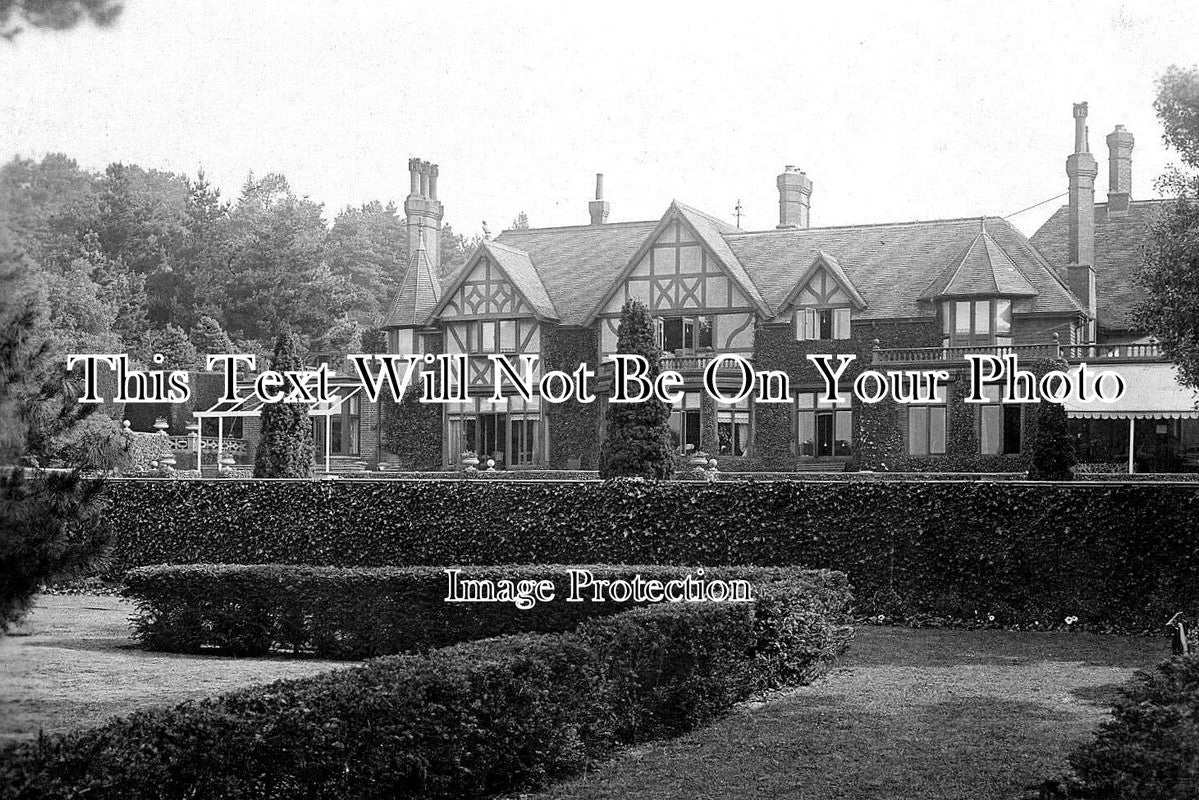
[(356, 613), (1115, 555), (1053, 455), (670, 672), (637, 444), (286, 449), (494, 716), (1150, 749)]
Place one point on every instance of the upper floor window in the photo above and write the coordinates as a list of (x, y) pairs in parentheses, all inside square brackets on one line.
[(684, 333), (976, 322), (813, 324)]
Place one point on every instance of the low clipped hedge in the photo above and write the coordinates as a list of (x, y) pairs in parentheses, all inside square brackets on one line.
[(361, 612), (1116, 556), (1149, 750), (493, 716)]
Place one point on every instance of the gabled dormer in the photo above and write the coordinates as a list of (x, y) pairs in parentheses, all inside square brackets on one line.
[(823, 302)]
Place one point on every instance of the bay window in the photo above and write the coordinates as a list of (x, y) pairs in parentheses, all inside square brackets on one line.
[(983, 322)]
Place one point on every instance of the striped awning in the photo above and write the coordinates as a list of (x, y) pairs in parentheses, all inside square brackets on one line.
[(1151, 391)]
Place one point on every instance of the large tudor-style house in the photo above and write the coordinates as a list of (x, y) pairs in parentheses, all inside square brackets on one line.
[(903, 295)]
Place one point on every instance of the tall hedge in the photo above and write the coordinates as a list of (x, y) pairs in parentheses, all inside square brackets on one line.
[(1110, 554), (285, 449), (637, 444)]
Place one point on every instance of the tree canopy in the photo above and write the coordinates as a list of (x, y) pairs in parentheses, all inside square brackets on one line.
[(1170, 307), (128, 257)]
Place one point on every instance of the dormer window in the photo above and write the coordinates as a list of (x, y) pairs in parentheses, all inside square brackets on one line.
[(820, 324), (970, 322)]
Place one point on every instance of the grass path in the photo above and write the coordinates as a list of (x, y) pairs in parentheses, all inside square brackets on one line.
[(910, 715), (71, 664)]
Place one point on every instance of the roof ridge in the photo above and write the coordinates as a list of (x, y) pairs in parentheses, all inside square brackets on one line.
[(585, 226), (908, 223)]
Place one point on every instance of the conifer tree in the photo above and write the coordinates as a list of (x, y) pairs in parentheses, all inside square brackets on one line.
[(638, 440), (285, 449), (210, 338), (50, 522), (1053, 455)]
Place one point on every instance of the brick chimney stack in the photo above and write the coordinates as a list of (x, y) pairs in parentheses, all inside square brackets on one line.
[(795, 198), (1081, 169), (423, 212), (1119, 171), (599, 206)]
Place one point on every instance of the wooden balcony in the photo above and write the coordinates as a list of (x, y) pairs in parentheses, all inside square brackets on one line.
[(1072, 353)]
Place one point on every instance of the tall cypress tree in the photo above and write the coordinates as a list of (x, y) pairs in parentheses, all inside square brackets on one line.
[(285, 450), (1053, 455), (638, 440)]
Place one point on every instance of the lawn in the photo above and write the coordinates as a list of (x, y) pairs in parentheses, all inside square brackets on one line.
[(929, 714), (909, 715), (71, 663)]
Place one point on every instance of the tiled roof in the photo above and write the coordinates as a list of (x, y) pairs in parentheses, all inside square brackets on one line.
[(418, 293), (1118, 255), (982, 268), (892, 264), (577, 264), (520, 270), (566, 272)]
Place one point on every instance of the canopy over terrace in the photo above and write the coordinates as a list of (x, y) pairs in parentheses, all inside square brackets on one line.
[(1151, 391), (251, 406)]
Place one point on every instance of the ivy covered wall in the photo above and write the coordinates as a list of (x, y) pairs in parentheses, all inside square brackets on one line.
[(411, 430), (573, 427)]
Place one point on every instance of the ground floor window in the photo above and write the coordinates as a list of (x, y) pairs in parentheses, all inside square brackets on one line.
[(343, 427), (685, 424), (823, 429), (508, 433), (1159, 445), (926, 430), (732, 428), (999, 425)]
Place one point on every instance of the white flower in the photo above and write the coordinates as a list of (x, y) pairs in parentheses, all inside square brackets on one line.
[(1071, 620)]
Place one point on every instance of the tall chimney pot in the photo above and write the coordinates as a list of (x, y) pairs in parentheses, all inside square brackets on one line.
[(598, 208), (1119, 171), (795, 198)]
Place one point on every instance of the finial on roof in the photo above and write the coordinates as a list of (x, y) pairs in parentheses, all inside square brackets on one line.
[(486, 231)]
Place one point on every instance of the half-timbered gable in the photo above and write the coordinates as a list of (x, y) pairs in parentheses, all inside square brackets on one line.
[(495, 305), (700, 297)]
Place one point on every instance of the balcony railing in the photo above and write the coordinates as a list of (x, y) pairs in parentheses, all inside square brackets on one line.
[(1070, 352)]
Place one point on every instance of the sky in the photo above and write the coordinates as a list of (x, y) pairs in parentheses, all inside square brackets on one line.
[(897, 111)]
